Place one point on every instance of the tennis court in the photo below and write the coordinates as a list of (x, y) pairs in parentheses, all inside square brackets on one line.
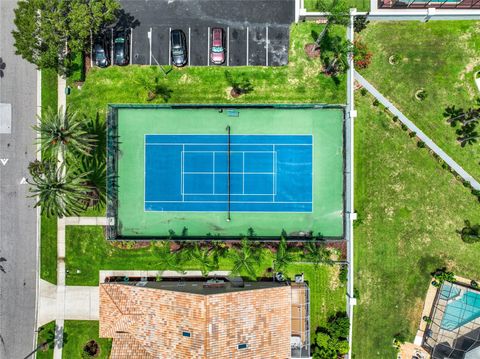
[(198, 171), (228, 173)]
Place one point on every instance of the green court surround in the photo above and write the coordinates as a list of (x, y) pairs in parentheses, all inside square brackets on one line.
[(129, 123)]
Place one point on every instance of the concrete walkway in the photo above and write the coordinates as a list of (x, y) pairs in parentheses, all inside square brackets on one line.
[(81, 303), (422, 136)]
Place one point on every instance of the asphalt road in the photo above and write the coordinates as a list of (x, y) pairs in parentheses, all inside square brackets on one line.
[(256, 31), (17, 215)]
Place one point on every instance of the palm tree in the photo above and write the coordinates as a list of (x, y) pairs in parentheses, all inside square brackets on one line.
[(168, 259), (453, 114), (204, 259), (95, 179), (470, 233), (217, 249), (60, 192), (245, 259), (316, 253), (335, 54), (283, 256), (467, 135), (63, 133)]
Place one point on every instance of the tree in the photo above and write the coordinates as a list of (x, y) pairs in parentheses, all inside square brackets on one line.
[(245, 259), (360, 23), (470, 233), (204, 259), (240, 84), (168, 259), (316, 253), (283, 257), (95, 180), (452, 114), (63, 134), (334, 54), (60, 192), (337, 14), (331, 341), (48, 30), (467, 134), (154, 83)]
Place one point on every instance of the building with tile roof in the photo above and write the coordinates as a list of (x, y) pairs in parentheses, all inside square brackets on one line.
[(198, 319)]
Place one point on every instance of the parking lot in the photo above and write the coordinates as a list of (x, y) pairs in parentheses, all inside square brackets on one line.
[(256, 32)]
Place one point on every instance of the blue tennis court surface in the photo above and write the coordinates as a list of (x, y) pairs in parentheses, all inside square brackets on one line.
[(268, 173)]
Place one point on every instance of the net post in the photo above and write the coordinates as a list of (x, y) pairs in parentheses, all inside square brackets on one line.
[(228, 171)]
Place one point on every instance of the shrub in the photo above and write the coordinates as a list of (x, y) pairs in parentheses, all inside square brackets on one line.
[(395, 118), (412, 134), (421, 95), (473, 284), (343, 275), (360, 23), (376, 102), (361, 56), (363, 91), (442, 275), (331, 341), (421, 144), (404, 127)]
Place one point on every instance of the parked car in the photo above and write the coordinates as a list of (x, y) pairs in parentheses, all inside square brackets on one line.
[(178, 48), (100, 55), (120, 50), (217, 51)]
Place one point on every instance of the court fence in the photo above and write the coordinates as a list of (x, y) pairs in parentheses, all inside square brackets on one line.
[(113, 231)]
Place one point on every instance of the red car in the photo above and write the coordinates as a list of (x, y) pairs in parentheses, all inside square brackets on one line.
[(217, 52)]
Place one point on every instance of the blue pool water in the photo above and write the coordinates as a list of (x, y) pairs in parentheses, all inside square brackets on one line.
[(460, 311)]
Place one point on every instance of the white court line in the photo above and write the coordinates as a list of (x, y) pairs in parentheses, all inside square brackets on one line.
[(243, 171), (169, 46), (209, 194), (131, 46), (208, 47), (182, 181), (266, 47), (225, 173), (189, 47), (150, 41), (213, 174), (228, 45), (224, 144), (247, 45)]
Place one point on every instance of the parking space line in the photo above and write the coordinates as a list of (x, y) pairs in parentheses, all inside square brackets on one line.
[(228, 45), (149, 34), (111, 47), (169, 46), (131, 46), (266, 46), (208, 47), (189, 47), (247, 45)]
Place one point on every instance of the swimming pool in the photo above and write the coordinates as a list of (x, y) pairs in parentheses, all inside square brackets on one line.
[(459, 311)]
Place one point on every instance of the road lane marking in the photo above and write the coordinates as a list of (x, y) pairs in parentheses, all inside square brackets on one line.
[(23, 180), (4, 161)]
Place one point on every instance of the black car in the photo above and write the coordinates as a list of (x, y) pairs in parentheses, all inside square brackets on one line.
[(100, 55), (120, 50), (179, 48)]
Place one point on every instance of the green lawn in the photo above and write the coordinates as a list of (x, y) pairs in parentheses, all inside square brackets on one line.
[(89, 252), (408, 211), (301, 81), (80, 332), (48, 238), (440, 57), (360, 5), (43, 336)]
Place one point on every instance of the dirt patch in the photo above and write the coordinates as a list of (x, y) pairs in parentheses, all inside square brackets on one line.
[(312, 51), (334, 277), (414, 313)]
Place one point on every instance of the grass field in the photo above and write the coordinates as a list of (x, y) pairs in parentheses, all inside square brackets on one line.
[(89, 252), (44, 334), (360, 5), (80, 332), (300, 81), (440, 57), (48, 238), (408, 211)]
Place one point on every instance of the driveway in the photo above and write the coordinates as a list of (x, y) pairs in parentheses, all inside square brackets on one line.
[(256, 32)]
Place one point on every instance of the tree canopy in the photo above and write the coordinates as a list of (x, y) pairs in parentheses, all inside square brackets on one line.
[(48, 30)]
